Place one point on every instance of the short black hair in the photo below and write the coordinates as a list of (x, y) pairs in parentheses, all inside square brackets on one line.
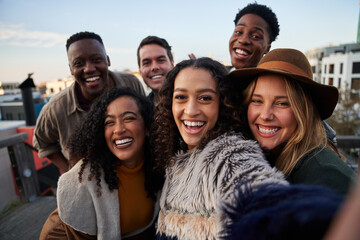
[(82, 35), (155, 40), (265, 13)]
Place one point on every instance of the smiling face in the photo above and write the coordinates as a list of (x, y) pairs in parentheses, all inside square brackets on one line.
[(270, 116), (89, 64), (195, 104), (249, 41), (125, 131), (154, 65)]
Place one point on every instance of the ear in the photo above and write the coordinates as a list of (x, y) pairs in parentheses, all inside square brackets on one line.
[(108, 59), (268, 48), (71, 71), (172, 63)]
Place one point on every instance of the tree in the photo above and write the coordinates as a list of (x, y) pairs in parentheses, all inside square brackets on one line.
[(346, 117)]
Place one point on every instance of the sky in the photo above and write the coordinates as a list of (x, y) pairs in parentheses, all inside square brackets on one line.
[(33, 32)]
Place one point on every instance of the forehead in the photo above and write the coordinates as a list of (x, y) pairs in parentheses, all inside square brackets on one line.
[(152, 51), (85, 47), (193, 78), (271, 83), (122, 104), (253, 21)]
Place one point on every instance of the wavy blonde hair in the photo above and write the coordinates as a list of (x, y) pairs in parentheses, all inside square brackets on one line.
[(310, 132)]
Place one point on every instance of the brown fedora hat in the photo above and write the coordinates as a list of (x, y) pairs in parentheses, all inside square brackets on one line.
[(294, 65)]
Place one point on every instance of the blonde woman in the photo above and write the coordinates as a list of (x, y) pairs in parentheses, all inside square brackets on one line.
[(285, 109)]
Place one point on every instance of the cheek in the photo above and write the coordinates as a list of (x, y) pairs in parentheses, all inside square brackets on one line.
[(107, 135), (251, 114), (290, 120)]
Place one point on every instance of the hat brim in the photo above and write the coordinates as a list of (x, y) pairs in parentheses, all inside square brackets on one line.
[(325, 97)]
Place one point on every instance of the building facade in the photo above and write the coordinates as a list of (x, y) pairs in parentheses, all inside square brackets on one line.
[(338, 66)]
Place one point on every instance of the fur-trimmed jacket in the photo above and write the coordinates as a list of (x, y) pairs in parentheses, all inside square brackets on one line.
[(199, 182)]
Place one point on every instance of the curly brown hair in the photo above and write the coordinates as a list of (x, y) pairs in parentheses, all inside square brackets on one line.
[(166, 137), (88, 142)]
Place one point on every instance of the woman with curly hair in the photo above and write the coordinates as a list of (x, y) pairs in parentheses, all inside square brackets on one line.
[(197, 142), (111, 193)]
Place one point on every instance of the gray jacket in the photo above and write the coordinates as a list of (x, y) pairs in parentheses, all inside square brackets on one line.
[(199, 182)]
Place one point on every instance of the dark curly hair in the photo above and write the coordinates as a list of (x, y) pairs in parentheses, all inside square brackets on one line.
[(158, 41), (165, 136), (265, 13), (82, 35), (88, 142)]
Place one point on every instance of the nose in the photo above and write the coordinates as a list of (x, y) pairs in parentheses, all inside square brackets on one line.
[(267, 113), (191, 108), (119, 128), (154, 67), (89, 67), (244, 39)]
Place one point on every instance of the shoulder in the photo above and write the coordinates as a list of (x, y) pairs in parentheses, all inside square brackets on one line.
[(233, 143), (323, 158), (74, 197), (323, 167), (58, 101), (235, 157), (69, 181)]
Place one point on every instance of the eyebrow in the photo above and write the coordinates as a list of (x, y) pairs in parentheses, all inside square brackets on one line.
[(257, 28), (199, 91), (121, 115), (277, 97)]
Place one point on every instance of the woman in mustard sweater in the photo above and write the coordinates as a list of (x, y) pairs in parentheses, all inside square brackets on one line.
[(111, 193)]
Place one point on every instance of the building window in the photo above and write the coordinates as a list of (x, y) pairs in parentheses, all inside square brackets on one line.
[(323, 80), (313, 69), (59, 89), (325, 69), (9, 116), (355, 83), (341, 68), (331, 68), (21, 116), (331, 81), (339, 83), (51, 90), (356, 67)]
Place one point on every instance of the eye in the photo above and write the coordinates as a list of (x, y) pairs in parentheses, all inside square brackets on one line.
[(238, 32), (145, 63), (256, 101), (108, 123), (205, 98), (97, 60), (283, 104), (179, 97), (77, 64), (129, 119), (256, 37)]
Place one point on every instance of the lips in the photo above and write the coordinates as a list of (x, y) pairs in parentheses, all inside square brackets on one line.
[(123, 143), (267, 130), (92, 80), (193, 127), (241, 53)]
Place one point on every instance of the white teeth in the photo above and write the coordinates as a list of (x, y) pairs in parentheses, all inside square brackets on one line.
[(123, 141), (92, 79), (193, 124), (242, 52), (268, 131), (156, 77)]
